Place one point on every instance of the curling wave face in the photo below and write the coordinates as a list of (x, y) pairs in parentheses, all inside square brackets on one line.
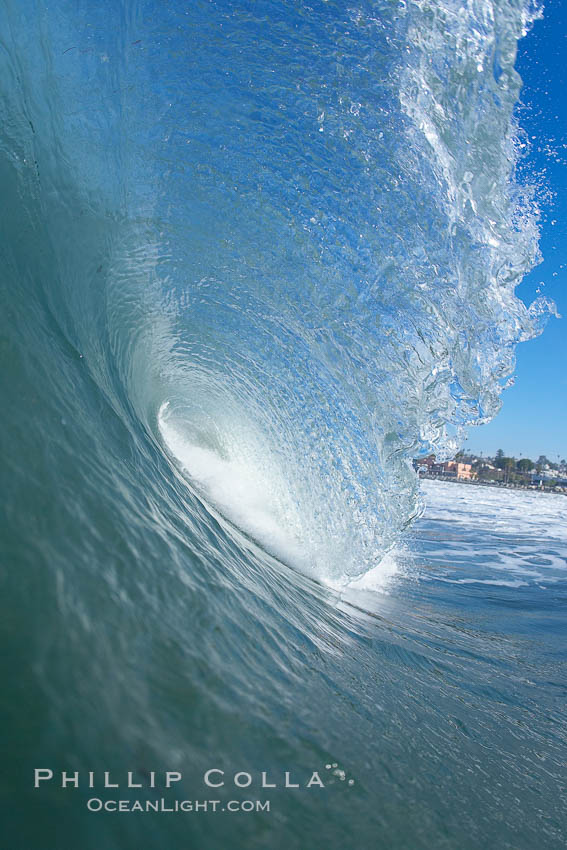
[(297, 243)]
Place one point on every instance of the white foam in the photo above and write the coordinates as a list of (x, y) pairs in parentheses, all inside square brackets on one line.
[(491, 531), (243, 494), (246, 487), (378, 578), (496, 509)]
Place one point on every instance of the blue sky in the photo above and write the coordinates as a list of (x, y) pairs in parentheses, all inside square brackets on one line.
[(533, 419)]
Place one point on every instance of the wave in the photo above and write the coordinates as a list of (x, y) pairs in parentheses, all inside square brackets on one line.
[(260, 259)]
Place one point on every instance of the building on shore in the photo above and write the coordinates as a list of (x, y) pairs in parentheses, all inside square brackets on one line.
[(460, 470), (479, 470), (448, 469)]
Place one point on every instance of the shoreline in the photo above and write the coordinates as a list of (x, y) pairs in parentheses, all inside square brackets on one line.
[(558, 491)]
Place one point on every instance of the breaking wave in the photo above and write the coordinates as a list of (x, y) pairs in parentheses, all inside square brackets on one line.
[(267, 256)]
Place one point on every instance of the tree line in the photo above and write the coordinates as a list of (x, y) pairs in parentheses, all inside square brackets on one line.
[(511, 466)]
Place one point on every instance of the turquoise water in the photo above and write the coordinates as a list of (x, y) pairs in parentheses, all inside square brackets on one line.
[(255, 258)]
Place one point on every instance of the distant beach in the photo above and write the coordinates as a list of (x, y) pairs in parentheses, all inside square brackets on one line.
[(501, 485)]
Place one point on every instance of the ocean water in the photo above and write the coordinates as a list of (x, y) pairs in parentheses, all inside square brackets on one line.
[(255, 257)]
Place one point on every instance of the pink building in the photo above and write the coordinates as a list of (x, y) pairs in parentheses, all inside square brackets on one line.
[(461, 470)]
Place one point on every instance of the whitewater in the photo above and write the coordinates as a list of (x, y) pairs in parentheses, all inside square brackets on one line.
[(256, 258)]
